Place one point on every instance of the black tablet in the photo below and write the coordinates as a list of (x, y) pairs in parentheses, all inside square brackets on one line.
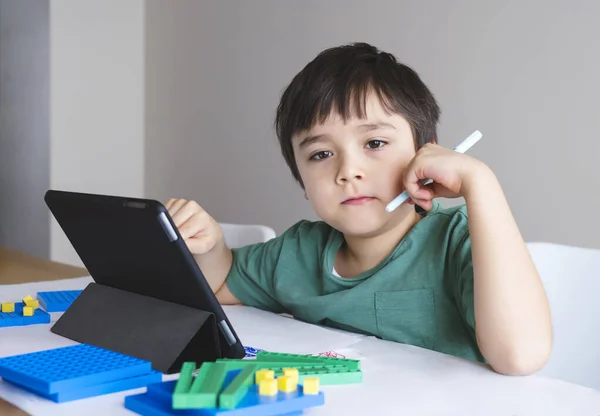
[(132, 244)]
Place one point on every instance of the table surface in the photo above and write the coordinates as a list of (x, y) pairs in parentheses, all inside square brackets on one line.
[(17, 267), (398, 379)]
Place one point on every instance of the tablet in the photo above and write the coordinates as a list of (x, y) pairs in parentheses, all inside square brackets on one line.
[(132, 244)]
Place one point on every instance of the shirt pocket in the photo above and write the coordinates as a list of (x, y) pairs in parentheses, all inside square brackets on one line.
[(407, 316)]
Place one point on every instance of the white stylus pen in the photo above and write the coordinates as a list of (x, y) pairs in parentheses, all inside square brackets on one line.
[(461, 148)]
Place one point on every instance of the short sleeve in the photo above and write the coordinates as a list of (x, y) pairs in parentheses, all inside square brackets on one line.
[(463, 268), (251, 277)]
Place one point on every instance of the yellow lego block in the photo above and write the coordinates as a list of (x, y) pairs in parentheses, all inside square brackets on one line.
[(8, 307), (287, 384), (311, 385), (264, 375), (33, 303), (267, 387), (26, 298), (27, 311), (292, 372)]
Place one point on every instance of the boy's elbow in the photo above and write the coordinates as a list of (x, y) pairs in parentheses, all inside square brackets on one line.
[(522, 360)]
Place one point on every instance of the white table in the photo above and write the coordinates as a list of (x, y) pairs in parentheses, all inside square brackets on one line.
[(398, 379)]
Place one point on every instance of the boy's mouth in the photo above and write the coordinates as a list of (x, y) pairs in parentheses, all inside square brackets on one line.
[(358, 200)]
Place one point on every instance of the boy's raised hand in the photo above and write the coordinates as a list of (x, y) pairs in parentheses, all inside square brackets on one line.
[(198, 229), (454, 175)]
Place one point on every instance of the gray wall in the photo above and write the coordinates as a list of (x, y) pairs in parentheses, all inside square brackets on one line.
[(522, 72), (24, 125), (97, 101)]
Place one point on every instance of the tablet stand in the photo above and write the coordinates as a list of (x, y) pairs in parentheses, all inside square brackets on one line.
[(164, 333)]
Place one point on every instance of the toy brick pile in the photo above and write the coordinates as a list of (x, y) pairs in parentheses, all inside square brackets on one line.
[(76, 372), (28, 311), (271, 384)]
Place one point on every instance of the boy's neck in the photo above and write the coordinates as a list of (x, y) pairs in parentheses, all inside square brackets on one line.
[(359, 254)]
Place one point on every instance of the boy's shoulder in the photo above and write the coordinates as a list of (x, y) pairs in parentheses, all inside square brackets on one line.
[(454, 216)]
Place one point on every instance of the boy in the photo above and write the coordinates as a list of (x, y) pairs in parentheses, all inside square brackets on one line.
[(356, 128)]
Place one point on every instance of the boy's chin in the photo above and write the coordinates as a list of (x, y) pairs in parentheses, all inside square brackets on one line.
[(362, 229)]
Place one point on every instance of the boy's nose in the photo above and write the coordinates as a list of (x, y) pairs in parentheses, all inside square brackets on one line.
[(349, 170)]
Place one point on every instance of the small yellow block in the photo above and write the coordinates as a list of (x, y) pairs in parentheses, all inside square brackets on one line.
[(26, 298), (311, 385), (27, 311), (8, 307), (264, 375), (267, 387), (292, 372), (287, 384), (33, 303)]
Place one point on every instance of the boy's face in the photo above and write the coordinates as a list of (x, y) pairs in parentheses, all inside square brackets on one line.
[(352, 171)]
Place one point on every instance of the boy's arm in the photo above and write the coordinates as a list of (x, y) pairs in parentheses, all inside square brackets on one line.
[(512, 314), (215, 266), (204, 238)]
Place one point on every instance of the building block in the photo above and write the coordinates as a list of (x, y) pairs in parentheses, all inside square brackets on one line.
[(287, 384), (69, 368), (157, 402), (146, 405), (291, 372), (8, 307), (27, 311), (233, 364), (16, 317), (32, 303), (268, 387), (353, 365), (263, 374), (328, 374), (99, 389), (311, 385), (237, 389), (57, 301), (26, 299), (203, 391)]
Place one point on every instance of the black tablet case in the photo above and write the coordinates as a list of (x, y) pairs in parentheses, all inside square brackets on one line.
[(166, 334)]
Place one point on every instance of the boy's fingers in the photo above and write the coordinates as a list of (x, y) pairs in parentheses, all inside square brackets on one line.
[(176, 206), (192, 227), (200, 245)]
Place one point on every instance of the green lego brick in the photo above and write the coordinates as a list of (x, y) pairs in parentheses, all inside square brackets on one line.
[(330, 378), (353, 365), (233, 364), (186, 376), (237, 389), (204, 389)]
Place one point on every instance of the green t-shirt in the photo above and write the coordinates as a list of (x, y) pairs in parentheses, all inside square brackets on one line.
[(421, 294)]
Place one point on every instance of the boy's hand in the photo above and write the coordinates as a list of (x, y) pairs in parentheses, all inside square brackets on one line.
[(453, 174), (199, 230)]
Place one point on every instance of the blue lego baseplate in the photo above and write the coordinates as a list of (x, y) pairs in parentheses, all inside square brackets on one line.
[(70, 368), (99, 389), (57, 301), (158, 399), (16, 318)]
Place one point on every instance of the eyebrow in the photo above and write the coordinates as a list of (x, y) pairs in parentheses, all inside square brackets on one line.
[(376, 126), (308, 140)]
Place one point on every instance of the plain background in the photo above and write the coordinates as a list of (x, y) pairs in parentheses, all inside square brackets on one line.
[(177, 99)]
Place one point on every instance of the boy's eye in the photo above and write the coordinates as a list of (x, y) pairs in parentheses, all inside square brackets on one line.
[(376, 144), (321, 155)]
